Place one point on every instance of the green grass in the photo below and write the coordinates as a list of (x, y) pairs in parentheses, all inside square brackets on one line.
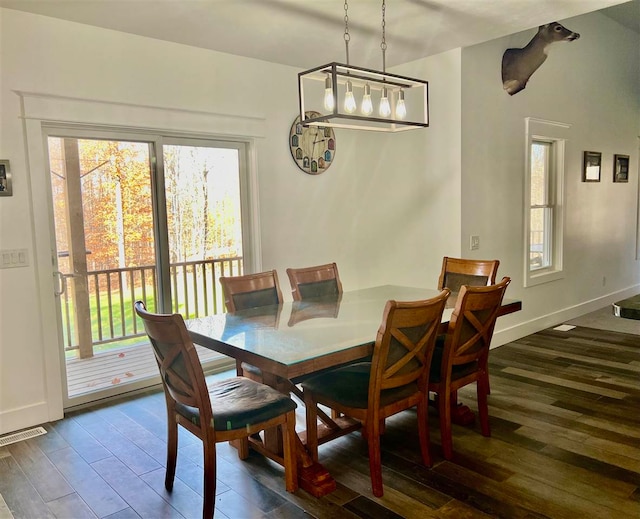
[(122, 312)]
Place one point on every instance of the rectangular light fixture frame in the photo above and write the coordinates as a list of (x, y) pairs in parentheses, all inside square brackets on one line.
[(311, 83)]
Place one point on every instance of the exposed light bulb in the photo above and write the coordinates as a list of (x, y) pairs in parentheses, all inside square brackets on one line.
[(385, 107), (349, 100), (401, 109), (328, 94), (367, 105)]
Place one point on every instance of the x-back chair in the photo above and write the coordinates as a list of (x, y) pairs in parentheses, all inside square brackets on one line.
[(228, 410)]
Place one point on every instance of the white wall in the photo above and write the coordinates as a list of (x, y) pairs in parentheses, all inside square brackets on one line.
[(386, 211), (376, 211), (593, 84), (409, 186)]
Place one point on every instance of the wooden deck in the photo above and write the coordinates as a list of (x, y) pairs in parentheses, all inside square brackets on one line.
[(117, 366)]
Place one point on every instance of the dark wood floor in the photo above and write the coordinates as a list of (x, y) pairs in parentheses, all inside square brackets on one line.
[(565, 444)]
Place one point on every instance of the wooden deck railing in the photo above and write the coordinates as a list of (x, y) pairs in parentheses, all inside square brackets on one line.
[(195, 289)]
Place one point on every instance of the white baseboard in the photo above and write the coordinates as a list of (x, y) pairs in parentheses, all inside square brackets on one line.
[(517, 331)]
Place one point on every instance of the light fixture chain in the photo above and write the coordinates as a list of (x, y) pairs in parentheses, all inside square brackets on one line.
[(347, 36), (383, 44), (347, 101)]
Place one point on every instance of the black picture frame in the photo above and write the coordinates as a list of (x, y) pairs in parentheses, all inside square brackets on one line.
[(621, 168), (591, 166)]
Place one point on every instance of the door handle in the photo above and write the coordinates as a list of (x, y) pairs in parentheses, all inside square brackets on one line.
[(62, 283)]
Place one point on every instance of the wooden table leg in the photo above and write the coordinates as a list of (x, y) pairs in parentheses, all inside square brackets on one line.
[(312, 476), (460, 413), (273, 437)]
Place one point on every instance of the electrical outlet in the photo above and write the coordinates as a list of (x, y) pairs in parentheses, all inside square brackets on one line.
[(474, 242)]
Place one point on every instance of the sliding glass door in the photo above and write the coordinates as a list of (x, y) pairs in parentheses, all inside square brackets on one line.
[(138, 218), (204, 223)]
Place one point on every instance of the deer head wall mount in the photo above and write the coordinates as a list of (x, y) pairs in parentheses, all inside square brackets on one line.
[(519, 64)]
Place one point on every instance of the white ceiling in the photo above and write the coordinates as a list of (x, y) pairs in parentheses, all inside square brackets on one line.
[(306, 33)]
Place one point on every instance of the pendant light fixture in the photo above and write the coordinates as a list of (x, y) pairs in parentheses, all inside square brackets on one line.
[(345, 96)]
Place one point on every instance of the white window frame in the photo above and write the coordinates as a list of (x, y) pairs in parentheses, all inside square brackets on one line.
[(556, 135)]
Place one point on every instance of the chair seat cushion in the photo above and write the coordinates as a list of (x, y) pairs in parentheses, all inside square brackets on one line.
[(436, 363), (301, 378), (349, 385), (239, 402)]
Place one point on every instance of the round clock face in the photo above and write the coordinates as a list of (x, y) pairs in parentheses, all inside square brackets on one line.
[(312, 147)]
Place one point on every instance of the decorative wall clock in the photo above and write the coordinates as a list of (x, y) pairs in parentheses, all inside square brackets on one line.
[(313, 148)]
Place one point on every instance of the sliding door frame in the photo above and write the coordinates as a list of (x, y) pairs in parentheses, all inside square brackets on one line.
[(155, 141)]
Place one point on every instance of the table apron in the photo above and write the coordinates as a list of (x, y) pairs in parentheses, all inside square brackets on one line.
[(305, 367)]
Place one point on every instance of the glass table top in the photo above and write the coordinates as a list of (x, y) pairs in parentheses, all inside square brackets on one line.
[(298, 331)]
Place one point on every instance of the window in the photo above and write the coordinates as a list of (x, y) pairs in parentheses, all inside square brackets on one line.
[(541, 206), (544, 217)]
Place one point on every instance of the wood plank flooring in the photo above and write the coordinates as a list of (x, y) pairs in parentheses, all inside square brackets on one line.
[(565, 443)]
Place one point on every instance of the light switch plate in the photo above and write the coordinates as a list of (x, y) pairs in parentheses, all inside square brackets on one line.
[(14, 258), (474, 242)]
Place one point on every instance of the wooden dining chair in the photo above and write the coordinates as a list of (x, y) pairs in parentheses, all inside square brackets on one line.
[(457, 272), (228, 410), (462, 357), (396, 379), (311, 282), (250, 291), (460, 271)]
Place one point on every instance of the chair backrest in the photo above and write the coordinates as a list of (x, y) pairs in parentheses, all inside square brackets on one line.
[(180, 369), (472, 323), (318, 281), (251, 290), (457, 272), (404, 346)]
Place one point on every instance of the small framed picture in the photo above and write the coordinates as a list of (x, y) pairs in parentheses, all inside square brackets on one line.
[(591, 166), (621, 168)]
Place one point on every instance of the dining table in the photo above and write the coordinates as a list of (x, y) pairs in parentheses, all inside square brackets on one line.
[(295, 339)]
